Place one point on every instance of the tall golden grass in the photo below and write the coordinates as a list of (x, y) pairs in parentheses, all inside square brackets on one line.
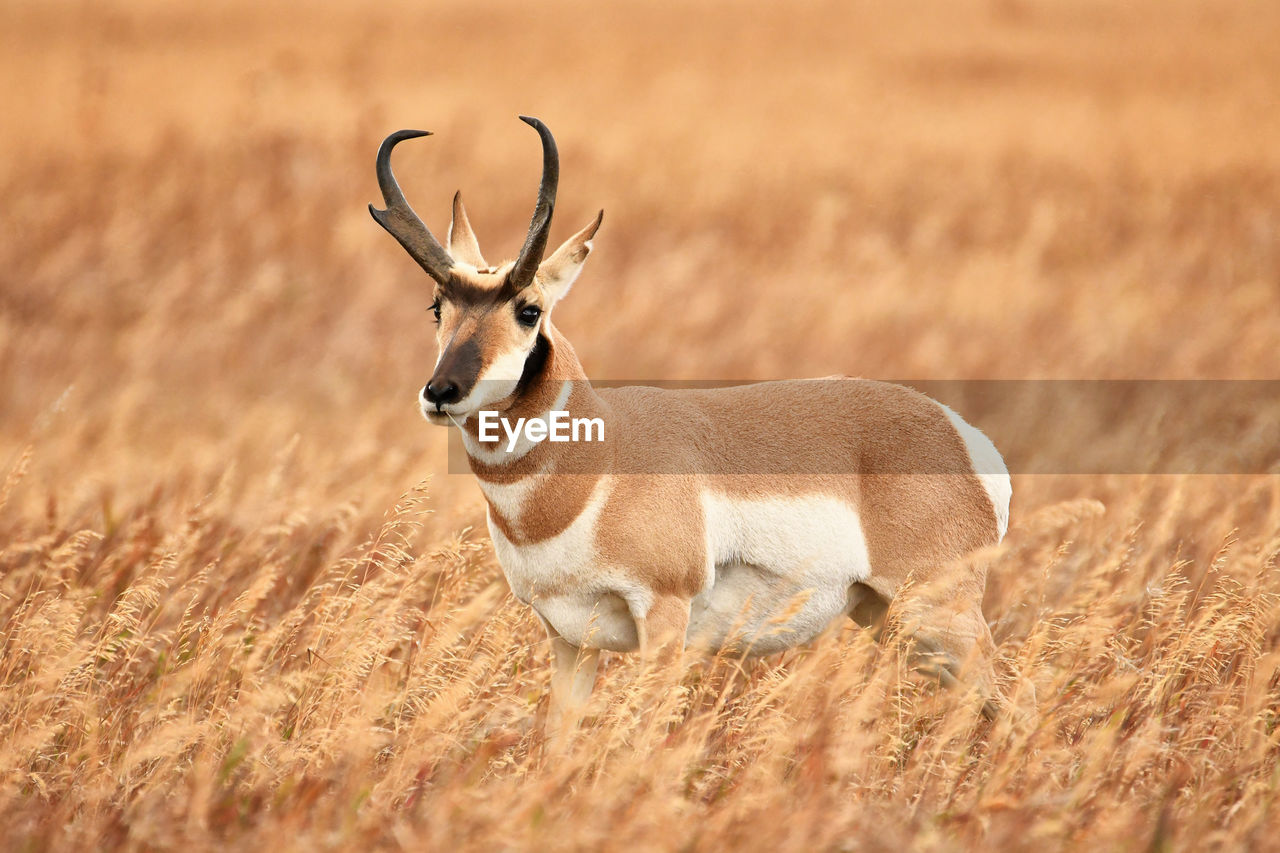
[(241, 602)]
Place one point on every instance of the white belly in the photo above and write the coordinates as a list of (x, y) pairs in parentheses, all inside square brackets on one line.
[(599, 620), (781, 571)]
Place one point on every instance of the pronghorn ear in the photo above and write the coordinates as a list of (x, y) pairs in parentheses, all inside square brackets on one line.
[(558, 272), (462, 243)]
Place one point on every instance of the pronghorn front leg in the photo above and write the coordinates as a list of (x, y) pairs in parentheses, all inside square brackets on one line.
[(573, 676)]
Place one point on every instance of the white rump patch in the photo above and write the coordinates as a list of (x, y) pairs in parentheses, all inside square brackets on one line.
[(988, 465)]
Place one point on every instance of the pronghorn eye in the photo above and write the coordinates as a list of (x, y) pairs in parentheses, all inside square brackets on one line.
[(435, 309), (528, 315)]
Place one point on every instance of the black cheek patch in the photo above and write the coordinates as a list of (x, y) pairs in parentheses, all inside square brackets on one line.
[(534, 363)]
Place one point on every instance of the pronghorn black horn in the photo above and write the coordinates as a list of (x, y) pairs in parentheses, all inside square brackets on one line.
[(540, 227), (400, 220)]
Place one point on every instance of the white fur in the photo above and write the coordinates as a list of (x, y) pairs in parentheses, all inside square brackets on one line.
[(496, 453), (558, 285), (988, 465), (779, 570), (563, 579), (510, 499), (497, 381)]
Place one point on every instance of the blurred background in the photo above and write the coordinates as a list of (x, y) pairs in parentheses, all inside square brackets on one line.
[(244, 605), (192, 292)]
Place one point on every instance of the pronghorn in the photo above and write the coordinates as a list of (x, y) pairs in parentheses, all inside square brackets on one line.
[(753, 515)]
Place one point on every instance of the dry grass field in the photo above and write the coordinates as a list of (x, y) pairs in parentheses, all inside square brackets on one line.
[(244, 606)]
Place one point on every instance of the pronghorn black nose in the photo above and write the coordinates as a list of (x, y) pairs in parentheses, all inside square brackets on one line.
[(441, 393)]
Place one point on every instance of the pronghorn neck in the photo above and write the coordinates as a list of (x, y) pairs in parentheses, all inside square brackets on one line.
[(552, 372), (555, 382), (539, 490)]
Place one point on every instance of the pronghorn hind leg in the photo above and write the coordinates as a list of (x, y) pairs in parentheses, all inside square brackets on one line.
[(958, 649), (662, 633), (868, 608), (662, 630), (573, 676)]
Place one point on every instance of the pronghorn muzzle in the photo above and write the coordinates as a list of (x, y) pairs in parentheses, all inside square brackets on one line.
[(455, 376)]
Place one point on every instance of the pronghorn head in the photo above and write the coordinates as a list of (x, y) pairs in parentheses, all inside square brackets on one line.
[(490, 318)]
